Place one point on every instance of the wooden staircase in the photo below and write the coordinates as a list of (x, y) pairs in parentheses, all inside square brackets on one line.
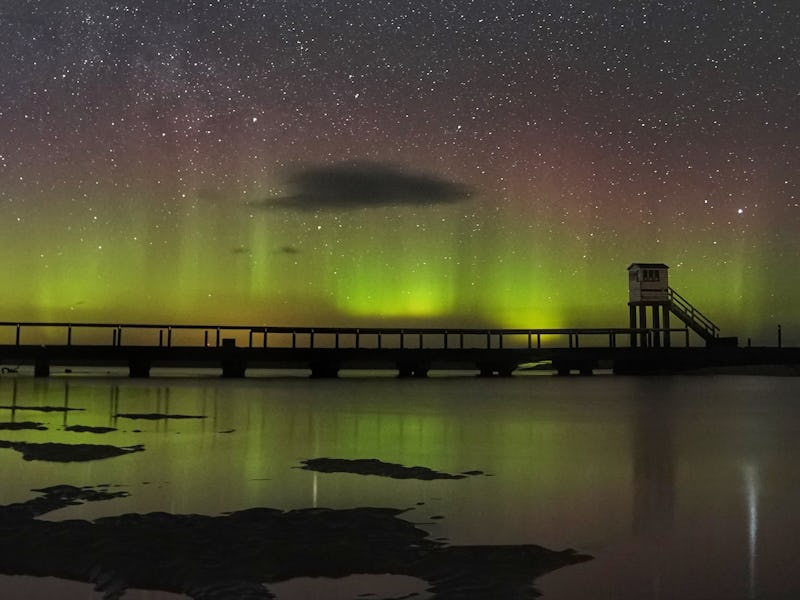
[(694, 319)]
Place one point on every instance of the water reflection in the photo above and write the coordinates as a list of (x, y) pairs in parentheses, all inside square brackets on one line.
[(653, 484), (653, 469), (680, 487), (751, 490)]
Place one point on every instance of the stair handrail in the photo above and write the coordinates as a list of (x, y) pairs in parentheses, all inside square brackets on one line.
[(692, 313)]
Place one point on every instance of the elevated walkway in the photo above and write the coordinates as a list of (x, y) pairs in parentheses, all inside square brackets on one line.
[(411, 352), (324, 351)]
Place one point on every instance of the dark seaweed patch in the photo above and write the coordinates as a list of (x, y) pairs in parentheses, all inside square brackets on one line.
[(232, 556), (54, 498), (20, 425), (156, 416), (40, 408), (373, 466), (54, 452), (89, 429)]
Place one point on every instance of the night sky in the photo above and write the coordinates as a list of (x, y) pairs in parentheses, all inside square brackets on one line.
[(399, 162)]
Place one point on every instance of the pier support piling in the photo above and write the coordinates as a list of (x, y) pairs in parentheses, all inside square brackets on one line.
[(324, 371), (139, 368), (412, 371), (495, 370), (41, 367), (233, 369), (659, 313)]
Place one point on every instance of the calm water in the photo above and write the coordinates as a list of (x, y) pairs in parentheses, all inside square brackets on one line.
[(680, 487)]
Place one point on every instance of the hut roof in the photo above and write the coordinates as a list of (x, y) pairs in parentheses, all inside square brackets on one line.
[(648, 266)]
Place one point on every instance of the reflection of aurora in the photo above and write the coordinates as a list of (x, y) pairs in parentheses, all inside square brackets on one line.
[(656, 469)]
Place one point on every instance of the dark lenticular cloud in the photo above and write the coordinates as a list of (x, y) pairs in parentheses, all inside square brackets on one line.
[(364, 185)]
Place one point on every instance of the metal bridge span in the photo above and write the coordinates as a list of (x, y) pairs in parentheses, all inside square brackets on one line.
[(324, 351)]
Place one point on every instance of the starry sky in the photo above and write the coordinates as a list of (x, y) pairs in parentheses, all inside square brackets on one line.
[(403, 162)]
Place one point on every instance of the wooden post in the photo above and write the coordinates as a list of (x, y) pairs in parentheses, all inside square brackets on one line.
[(41, 366), (643, 323), (656, 326), (138, 367), (632, 324)]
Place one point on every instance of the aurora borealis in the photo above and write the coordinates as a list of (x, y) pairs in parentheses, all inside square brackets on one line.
[(149, 151)]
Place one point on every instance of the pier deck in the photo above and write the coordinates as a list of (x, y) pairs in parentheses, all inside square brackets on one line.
[(326, 351)]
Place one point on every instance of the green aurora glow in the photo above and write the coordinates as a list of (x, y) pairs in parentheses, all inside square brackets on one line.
[(135, 167)]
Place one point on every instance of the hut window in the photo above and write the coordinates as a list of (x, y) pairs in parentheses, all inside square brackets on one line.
[(651, 275)]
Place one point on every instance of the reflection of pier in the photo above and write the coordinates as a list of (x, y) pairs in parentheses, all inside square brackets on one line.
[(326, 351), (157, 398), (653, 488), (653, 467)]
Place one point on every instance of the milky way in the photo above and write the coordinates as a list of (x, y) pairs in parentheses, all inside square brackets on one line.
[(150, 156)]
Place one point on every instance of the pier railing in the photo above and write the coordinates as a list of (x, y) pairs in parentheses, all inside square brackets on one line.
[(260, 336)]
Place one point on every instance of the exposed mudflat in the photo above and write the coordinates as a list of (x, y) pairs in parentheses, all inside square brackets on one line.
[(53, 498), (238, 555), (89, 429), (156, 416), (55, 452), (39, 408), (22, 425), (373, 466)]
